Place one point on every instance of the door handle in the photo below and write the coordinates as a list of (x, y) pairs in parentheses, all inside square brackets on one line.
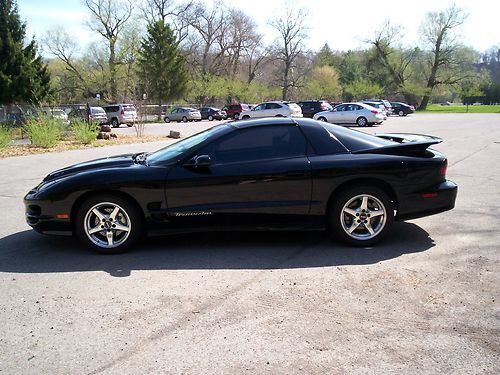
[(295, 173)]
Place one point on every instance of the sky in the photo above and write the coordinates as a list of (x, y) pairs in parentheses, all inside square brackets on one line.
[(342, 24)]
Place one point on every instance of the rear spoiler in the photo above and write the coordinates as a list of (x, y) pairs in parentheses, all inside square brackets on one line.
[(407, 144)]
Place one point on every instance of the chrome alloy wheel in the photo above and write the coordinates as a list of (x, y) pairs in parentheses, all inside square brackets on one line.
[(363, 217), (107, 225)]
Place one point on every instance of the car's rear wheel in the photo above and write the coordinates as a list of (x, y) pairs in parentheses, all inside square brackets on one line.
[(323, 119), (184, 119), (210, 118), (167, 120), (115, 123), (108, 223), (130, 125), (236, 115), (362, 121), (361, 215)]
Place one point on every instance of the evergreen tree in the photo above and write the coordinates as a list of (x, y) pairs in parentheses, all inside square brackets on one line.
[(23, 75), (162, 67)]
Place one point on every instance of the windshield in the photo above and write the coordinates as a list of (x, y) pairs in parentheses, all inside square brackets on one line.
[(174, 150)]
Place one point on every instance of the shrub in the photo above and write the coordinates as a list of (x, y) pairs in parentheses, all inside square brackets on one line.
[(5, 137), (44, 131), (84, 132)]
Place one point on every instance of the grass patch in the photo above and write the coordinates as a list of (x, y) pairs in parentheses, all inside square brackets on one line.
[(5, 137), (44, 132), (437, 108), (84, 132)]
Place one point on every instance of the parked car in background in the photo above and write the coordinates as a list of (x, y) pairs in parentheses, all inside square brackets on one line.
[(380, 107), (351, 113), (58, 114), (183, 114), (311, 107), (234, 110), (211, 113), (402, 109), (121, 114), (386, 104), (97, 115), (273, 109)]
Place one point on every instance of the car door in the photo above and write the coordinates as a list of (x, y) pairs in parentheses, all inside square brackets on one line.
[(274, 109), (337, 115), (258, 111), (255, 175)]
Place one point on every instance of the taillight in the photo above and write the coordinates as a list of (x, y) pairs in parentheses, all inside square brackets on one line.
[(122, 112), (375, 112), (444, 167)]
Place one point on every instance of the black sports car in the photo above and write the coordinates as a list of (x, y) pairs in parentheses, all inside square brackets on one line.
[(277, 173)]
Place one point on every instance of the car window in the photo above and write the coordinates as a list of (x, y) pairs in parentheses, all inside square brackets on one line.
[(97, 111), (355, 140), (273, 106), (340, 108), (176, 149), (260, 107), (129, 108), (259, 143)]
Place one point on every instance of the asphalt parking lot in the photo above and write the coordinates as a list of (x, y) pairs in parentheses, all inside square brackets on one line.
[(426, 300)]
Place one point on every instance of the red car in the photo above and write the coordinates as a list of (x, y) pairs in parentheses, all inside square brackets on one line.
[(234, 110)]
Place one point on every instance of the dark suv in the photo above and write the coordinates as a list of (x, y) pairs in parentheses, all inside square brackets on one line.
[(234, 110), (311, 107), (211, 113)]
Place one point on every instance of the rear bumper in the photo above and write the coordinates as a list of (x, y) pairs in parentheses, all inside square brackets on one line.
[(438, 199)]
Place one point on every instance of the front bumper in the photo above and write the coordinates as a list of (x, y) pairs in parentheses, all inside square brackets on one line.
[(432, 201), (42, 216)]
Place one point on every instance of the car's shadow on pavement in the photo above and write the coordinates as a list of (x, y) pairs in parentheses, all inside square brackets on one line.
[(29, 252)]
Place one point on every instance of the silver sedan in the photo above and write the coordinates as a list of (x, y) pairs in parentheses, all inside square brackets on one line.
[(183, 114), (351, 113)]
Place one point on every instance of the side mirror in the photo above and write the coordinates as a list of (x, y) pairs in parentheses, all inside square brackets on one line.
[(200, 161)]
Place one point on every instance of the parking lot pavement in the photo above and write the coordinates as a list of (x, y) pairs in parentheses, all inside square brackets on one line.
[(424, 301)]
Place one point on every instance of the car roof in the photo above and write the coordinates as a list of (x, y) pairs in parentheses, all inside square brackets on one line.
[(243, 124)]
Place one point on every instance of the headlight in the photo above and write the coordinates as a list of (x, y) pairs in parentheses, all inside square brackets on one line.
[(47, 184)]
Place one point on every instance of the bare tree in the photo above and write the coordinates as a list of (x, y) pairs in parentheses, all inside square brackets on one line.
[(290, 44), (177, 15), (439, 37), (392, 57), (108, 19)]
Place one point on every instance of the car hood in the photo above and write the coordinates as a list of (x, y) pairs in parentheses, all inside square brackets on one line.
[(119, 161)]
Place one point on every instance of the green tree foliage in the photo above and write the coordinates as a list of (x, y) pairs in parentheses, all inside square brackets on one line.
[(23, 74), (362, 89), (161, 66), (323, 83)]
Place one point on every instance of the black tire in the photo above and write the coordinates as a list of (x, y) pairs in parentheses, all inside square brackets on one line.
[(401, 113), (236, 115), (246, 117), (131, 219), (114, 122), (340, 222), (167, 119), (362, 121), (210, 118), (323, 119), (130, 125), (184, 119)]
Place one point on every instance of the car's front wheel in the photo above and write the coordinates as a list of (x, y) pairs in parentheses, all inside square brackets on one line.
[(210, 118), (108, 223), (167, 119), (360, 215), (401, 113), (184, 119), (245, 117)]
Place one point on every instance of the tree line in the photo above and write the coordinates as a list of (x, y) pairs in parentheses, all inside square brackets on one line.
[(175, 50)]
